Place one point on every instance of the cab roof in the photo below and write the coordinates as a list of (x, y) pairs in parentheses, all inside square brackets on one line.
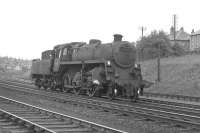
[(72, 44)]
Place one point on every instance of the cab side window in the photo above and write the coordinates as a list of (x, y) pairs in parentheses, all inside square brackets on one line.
[(57, 53), (65, 52), (75, 51), (60, 53)]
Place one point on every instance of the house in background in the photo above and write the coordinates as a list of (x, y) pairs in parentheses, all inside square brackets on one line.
[(181, 37), (195, 40)]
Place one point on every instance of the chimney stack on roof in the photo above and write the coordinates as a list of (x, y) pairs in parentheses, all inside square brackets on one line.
[(182, 29), (192, 31)]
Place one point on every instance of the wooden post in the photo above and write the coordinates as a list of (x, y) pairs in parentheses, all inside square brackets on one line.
[(158, 63)]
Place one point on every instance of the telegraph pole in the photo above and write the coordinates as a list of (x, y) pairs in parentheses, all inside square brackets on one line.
[(142, 28), (174, 17), (158, 63), (158, 59)]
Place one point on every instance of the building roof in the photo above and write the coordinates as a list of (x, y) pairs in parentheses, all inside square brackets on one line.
[(195, 33), (180, 35)]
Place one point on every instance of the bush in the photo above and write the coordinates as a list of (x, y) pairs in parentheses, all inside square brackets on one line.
[(178, 50)]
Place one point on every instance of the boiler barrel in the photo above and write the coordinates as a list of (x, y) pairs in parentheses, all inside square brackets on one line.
[(93, 53)]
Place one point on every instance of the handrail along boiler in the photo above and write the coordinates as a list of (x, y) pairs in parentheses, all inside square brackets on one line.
[(94, 69)]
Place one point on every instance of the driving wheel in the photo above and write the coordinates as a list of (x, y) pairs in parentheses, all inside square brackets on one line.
[(92, 91)]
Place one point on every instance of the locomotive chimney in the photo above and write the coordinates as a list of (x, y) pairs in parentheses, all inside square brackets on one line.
[(117, 37)]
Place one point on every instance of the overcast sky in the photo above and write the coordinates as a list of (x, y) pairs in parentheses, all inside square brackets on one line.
[(29, 27)]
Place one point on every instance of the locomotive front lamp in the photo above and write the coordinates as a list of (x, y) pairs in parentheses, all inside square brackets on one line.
[(108, 63), (96, 82), (138, 91), (136, 65), (115, 91)]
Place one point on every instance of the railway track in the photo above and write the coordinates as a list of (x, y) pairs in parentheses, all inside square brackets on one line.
[(176, 115), (25, 118), (144, 100), (148, 94)]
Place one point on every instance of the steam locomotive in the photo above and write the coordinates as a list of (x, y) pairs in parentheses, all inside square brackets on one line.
[(93, 69)]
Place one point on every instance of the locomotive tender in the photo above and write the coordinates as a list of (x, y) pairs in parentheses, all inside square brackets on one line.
[(93, 69)]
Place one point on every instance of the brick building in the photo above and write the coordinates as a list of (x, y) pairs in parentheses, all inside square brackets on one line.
[(181, 37), (195, 41)]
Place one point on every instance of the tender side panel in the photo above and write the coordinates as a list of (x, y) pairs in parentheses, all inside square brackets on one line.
[(44, 67), (35, 67), (40, 67)]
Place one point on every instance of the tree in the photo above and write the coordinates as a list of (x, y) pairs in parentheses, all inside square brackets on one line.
[(147, 46)]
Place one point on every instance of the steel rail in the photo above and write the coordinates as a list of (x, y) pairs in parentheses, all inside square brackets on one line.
[(172, 96), (150, 94), (94, 126), (146, 95), (26, 121)]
